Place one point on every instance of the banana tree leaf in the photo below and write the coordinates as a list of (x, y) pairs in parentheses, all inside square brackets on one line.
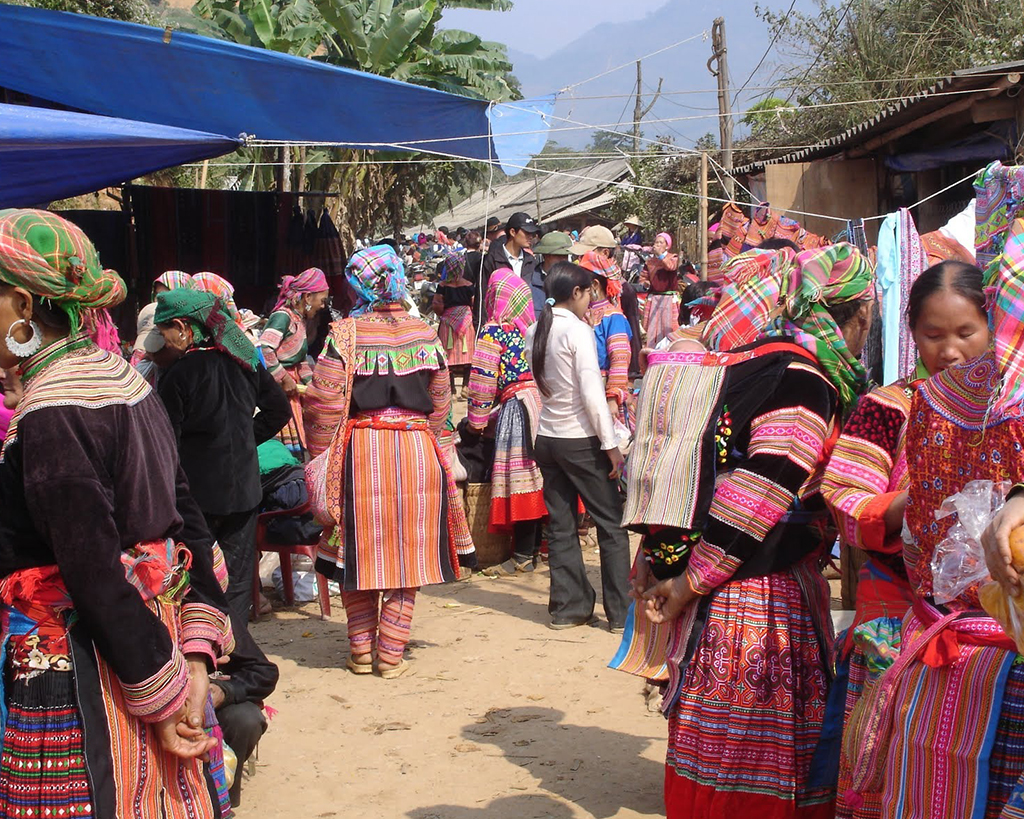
[(218, 87)]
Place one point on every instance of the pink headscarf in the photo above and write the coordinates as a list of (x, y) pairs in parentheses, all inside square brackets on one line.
[(292, 287), (667, 238), (509, 300)]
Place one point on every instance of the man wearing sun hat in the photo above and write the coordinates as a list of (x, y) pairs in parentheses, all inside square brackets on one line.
[(552, 249)]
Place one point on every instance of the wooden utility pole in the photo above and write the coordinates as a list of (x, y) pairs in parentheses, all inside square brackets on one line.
[(286, 169), (639, 112), (702, 225), (536, 193), (719, 56)]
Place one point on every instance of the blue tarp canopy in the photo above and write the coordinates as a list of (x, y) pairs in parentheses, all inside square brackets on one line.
[(47, 155), (143, 73)]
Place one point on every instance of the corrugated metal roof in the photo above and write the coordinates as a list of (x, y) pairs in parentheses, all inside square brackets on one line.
[(899, 113), (558, 194)]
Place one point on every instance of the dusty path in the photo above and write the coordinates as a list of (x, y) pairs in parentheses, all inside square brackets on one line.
[(500, 717)]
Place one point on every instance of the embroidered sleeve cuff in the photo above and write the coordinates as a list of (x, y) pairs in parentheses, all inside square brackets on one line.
[(709, 568), (161, 695), (872, 524), (206, 630)]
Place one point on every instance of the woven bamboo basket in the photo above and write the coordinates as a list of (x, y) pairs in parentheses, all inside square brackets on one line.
[(492, 548)]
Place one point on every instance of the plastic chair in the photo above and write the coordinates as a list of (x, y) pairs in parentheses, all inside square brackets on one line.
[(286, 551)]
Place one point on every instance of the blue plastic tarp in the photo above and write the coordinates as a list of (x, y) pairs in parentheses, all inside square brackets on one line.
[(143, 73), (47, 155)]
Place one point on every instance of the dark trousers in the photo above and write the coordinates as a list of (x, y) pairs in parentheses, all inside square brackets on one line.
[(243, 724), (236, 534), (527, 536), (577, 468)]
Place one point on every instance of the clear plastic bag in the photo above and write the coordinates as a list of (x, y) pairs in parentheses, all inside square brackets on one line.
[(959, 560)]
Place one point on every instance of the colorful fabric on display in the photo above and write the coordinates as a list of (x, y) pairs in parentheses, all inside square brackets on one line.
[(509, 301), (173, 279), (999, 197), (1006, 275), (913, 262), (601, 265), (452, 267), (53, 258), (738, 708), (210, 320), (377, 276), (293, 287), (790, 296), (939, 247)]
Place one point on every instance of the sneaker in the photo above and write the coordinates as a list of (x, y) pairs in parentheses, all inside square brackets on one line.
[(560, 625), (616, 629)]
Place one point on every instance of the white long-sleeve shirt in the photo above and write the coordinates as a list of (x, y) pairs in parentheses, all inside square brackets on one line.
[(577, 406)]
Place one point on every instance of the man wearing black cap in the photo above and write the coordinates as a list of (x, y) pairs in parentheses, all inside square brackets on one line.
[(515, 253)]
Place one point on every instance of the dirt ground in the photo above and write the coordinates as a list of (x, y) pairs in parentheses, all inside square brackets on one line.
[(498, 717)]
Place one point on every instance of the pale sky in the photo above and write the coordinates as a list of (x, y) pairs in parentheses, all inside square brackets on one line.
[(539, 27)]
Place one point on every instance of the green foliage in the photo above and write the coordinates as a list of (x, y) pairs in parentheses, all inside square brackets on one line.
[(860, 52), (399, 39), (132, 11), (767, 115)]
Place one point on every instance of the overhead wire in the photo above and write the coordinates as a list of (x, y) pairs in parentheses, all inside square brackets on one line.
[(700, 35), (767, 51)]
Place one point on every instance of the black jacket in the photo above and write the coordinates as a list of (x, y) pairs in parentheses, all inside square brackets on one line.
[(211, 399), (249, 675), (497, 259)]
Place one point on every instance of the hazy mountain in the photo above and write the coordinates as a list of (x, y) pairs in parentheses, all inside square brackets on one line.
[(683, 68)]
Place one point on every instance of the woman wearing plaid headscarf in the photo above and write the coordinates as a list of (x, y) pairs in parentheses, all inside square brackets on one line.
[(212, 385), (504, 397), (284, 343), (380, 403), (723, 484), (112, 614)]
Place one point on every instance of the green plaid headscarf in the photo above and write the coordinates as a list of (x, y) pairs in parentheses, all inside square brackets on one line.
[(210, 321), (52, 258), (779, 293)]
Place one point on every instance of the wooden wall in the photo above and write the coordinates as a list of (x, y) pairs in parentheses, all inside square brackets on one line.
[(845, 188)]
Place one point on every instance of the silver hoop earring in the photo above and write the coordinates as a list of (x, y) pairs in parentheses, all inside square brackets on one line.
[(23, 349)]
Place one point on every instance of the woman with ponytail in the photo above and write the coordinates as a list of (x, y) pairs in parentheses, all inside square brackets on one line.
[(577, 452)]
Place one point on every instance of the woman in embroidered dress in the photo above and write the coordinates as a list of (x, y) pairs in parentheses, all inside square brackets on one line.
[(503, 396), (612, 331), (866, 485), (938, 734), (380, 401), (212, 385), (454, 306), (283, 343), (112, 612), (737, 568), (661, 311)]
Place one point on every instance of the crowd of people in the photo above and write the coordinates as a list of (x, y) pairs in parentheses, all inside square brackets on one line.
[(729, 425)]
